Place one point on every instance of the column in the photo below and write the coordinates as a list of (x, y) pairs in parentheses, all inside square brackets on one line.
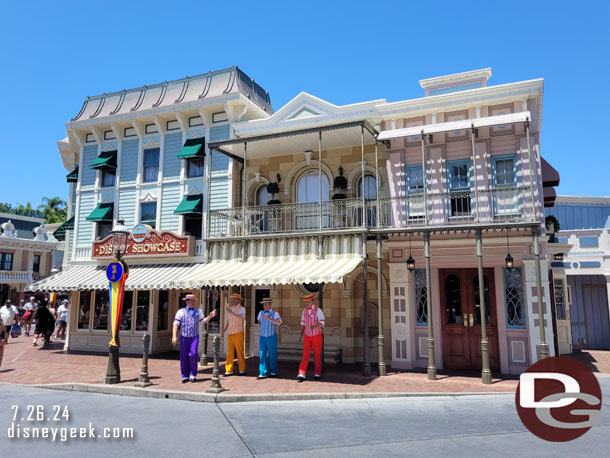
[(486, 372), (380, 337), (431, 363), (366, 364)]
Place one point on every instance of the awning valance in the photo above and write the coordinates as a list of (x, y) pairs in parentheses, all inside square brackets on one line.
[(72, 177), (60, 232), (278, 262), (190, 205), (487, 121), (103, 212), (193, 147), (550, 176), (158, 276), (106, 159)]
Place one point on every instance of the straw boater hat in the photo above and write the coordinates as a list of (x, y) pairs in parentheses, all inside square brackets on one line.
[(189, 296), (236, 296), (266, 300), (309, 297)]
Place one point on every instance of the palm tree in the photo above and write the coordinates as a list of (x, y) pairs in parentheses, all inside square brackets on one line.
[(54, 209)]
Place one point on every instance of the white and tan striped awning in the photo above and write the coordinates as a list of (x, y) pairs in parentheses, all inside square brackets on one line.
[(158, 276), (278, 262)]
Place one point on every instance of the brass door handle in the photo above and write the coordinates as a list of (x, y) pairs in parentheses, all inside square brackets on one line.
[(465, 320), (471, 320)]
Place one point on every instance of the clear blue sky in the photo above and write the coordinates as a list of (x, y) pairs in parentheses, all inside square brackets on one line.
[(54, 54)]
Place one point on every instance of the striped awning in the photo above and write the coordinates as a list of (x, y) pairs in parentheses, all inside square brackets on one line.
[(278, 262), (158, 276)]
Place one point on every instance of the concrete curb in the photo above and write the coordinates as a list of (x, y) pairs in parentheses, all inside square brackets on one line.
[(227, 397)]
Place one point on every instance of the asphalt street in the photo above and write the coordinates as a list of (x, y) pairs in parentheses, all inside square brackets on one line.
[(478, 425)]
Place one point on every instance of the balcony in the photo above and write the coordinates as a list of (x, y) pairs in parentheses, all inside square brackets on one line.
[(9, 276), (500, 205)]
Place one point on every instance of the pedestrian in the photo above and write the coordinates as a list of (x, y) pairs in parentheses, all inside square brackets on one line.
[(10, 316), (312, 323), (62, 319), (236, 316), (3, 338), (28, 316), (268, 320), (44, 324), (188, 320)]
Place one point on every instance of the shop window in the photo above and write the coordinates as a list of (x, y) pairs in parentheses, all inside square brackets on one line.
[(459, 188), (36, 265), (101, 310), (477, 301), (6, 261), (151, 165), (108, 178), (103, 230), (453, 299), (148, 213), (84, 310), (194, 167), (192, 225), (213, 302), (513, 297), (127, 311), (142, 307), (506, 197), (414, 180), (181, 302), (421, 297), (259, 295), (163, 311)]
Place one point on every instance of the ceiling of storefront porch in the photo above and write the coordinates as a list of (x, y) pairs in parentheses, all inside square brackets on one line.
[(296, 141)]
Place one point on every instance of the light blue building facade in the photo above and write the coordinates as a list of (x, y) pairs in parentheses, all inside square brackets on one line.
[(141, 155), (581, 269)]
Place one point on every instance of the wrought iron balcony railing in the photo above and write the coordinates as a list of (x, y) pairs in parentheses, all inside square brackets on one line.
[(412, 210)]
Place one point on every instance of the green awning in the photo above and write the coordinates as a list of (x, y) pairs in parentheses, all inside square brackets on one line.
[(106, 159), (193, 147), (190, 205), (72, 177), (103, 212), (60, 232)]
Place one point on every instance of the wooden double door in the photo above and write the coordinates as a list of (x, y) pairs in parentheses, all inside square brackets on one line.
[(461, 319)]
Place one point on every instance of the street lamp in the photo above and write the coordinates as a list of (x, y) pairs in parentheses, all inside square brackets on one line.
[(117, 273), (510, 262)]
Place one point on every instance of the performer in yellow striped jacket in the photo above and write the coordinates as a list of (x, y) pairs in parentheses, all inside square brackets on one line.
[(235, 339)]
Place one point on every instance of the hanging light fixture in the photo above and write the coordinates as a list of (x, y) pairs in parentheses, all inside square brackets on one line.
[(509, 259), (410, 261)]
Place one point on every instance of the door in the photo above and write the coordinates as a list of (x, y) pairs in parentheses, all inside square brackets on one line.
[(562, 316), (461, 319)]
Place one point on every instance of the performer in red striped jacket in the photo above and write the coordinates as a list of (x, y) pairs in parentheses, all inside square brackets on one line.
[(312, 323)]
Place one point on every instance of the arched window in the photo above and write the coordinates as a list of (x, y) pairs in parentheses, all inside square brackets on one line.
[(307, 217), (370, 187), (308, 187), (262, 196), (370, 192)]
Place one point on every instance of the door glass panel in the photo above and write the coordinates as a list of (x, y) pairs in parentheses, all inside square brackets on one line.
[(560, 306), (453, 300), (477, 303)]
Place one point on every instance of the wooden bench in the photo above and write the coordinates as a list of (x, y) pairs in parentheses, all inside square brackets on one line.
[(294, 352)]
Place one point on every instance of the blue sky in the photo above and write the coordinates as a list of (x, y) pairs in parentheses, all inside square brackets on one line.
[(56, 53)]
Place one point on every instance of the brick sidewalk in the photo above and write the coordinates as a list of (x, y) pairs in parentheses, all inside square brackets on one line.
[(24, 364)]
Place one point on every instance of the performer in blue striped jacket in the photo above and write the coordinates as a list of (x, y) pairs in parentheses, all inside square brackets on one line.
[(269, 320)]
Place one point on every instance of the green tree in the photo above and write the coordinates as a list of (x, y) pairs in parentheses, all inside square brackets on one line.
[(27, 210), (53, 210), (6, 208)]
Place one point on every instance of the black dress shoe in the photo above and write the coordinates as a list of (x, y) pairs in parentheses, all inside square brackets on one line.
[(184, 380), (242, 374)]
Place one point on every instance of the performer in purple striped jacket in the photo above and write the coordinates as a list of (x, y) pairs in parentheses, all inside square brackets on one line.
[(188, 319)]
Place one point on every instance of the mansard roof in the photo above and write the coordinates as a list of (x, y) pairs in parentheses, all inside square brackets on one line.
[(171, 93)]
